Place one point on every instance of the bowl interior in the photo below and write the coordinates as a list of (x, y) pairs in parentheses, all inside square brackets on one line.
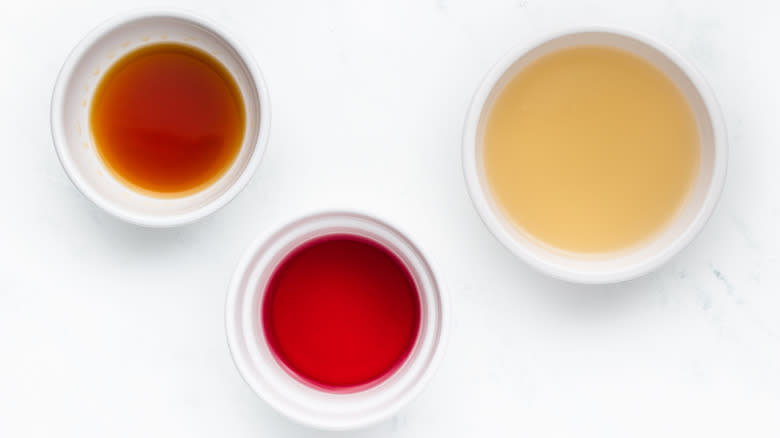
[(84, 70), (283, 390), (612, 266)]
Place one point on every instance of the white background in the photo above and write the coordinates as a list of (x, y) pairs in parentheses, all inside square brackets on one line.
[(110, 330)]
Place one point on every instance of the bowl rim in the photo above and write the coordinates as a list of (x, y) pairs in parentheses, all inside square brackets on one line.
[(236, 336), (59, 137), (530, 255)]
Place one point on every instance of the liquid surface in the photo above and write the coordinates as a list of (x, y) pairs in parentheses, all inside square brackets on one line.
[(341, 312), (168, 119), (591, 149)]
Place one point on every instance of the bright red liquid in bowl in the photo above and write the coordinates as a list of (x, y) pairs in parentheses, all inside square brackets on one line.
[(341, 312)]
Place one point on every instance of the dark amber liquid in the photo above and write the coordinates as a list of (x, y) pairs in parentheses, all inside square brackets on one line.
[(168, 119)]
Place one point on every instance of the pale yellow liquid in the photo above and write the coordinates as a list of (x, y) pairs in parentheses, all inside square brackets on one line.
[(591, 149)]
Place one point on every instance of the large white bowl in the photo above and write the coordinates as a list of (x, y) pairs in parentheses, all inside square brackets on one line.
[(75, 87), (627, 264)]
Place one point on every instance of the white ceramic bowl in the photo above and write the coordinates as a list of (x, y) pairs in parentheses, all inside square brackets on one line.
[(288, 394), (624, 265), (72, 97)]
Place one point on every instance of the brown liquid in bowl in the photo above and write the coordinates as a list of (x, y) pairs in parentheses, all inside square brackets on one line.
[(168, 119)]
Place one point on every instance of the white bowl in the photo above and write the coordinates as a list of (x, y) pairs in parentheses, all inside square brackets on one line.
[(288, 394), (72, 99), (631, 263)]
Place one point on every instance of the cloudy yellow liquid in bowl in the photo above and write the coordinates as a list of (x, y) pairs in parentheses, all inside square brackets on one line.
[(591, 149)]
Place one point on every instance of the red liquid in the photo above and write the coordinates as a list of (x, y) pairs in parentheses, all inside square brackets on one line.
[(341, 312)]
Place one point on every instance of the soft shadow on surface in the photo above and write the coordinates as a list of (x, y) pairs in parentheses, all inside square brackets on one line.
[(575, 300), (265, 418), (260, 416), (596, 301), (125, 237), (384, 428), (128, 238)]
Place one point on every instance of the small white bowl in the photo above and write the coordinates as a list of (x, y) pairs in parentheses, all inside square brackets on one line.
[(624, 265), (74, 90), (288, 394)]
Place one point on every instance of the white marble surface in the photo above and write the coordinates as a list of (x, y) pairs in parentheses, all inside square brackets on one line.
[(110, 330)]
